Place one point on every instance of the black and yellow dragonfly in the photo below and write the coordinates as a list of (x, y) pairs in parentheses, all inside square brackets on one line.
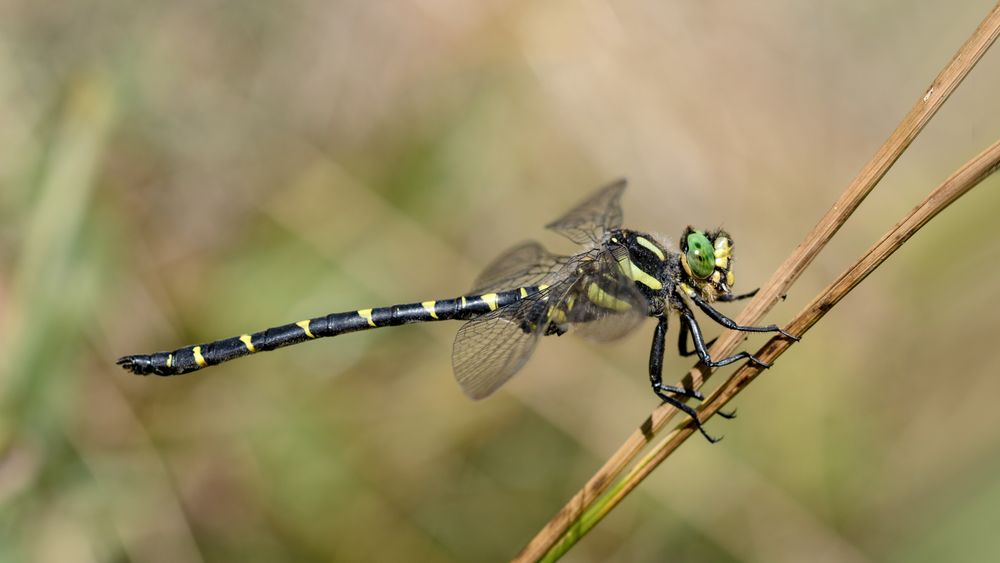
[(619, 278)]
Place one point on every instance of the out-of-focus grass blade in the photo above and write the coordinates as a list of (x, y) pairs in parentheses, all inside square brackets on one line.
[(42, 276)]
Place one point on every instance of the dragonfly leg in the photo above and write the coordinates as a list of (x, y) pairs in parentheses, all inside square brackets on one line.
[(682, 340), (693, 414), (725, 321), (555, 329), (669, 393), (730, 297), (687, 317), (684, 351), (682, 348)]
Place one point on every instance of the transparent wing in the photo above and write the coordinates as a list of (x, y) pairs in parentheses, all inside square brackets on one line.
[(527, 264), (604, 303), (594, 299), (588, 221), (490, 349)]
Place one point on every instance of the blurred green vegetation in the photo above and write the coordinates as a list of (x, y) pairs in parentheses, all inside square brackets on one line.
[(179, 172)]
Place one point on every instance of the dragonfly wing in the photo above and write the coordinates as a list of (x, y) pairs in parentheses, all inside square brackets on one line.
[(588, 221), (527, 264), (605, 303), (490, 349)]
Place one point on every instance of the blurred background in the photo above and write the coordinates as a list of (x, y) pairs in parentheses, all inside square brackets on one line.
[(172, 173)]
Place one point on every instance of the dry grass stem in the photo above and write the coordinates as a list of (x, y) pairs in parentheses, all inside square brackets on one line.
[(786, 274), (963, 180), (960, 182)]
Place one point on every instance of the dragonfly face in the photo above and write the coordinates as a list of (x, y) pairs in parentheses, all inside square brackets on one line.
[(707, 263), (703, 267)]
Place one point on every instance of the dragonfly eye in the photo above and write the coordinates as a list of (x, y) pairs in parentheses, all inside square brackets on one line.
[(700, 254)]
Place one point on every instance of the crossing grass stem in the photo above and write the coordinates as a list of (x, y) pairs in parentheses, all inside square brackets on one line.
[(607, 487), (963, 180)]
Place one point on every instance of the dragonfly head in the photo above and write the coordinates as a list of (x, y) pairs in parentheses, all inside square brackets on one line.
[(707, 260)]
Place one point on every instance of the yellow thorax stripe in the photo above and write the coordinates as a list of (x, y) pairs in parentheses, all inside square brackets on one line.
[(604, 299), (650, 246), (636, 273), (556, 315)]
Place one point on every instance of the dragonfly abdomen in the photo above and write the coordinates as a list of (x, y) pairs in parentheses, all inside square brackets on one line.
[(193, 358)]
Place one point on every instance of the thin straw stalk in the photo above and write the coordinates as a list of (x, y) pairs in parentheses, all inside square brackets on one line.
[(911, 125), (964, 179)]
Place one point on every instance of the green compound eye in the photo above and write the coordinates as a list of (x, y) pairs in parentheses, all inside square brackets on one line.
[(700, 254)]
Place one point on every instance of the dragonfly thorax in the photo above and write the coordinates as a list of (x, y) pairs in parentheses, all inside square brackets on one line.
[(642, 258)]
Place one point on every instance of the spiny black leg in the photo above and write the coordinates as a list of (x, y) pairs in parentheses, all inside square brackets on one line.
[(725, 321), (661, 390), (682, 348), (656, 364), (730, 297), (686, 409), (682, 391), (687, 317), (682, 337), (682, 342)]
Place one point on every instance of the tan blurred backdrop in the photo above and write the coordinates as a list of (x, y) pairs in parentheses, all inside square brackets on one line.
[(177, 172)]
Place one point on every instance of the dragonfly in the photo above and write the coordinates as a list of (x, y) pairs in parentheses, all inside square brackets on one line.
[(619, 278)]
